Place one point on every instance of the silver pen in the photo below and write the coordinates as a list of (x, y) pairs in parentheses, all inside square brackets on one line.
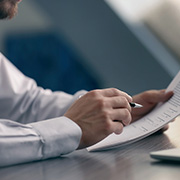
[(135, 105)]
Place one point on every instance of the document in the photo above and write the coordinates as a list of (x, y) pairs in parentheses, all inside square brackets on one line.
[(152, 122)]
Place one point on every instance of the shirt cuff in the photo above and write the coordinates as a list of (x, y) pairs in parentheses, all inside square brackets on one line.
[(58, 136)]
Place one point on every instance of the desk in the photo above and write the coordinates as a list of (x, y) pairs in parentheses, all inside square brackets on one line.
[(131, 162)]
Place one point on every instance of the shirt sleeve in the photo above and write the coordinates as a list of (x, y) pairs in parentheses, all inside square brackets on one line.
[(32, 125), (21, 143), (23, 101)]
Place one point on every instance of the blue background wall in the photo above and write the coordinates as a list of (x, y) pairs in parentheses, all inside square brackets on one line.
[(105, 45)]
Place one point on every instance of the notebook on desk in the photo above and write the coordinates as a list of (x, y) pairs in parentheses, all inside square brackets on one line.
[(167, 155)]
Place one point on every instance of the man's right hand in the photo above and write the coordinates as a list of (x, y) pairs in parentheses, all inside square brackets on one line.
[(100, 113)]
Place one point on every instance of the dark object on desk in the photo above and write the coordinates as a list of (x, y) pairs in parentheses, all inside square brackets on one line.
[(50, 61)]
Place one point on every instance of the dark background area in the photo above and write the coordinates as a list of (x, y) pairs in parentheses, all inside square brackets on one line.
[(87, 47)]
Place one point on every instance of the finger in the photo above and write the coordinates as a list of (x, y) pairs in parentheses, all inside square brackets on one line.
[(167, 96), (122, 115), (110, 92), (165, 128), (162, 95), (119, 102), (155, 96), (117, 127)]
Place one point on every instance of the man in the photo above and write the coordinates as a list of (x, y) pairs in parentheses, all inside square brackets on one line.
[(38, 124)]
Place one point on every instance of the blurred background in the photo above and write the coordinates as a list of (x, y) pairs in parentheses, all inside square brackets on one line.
[(70, 45)]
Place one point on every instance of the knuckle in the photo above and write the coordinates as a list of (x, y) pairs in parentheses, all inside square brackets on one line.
[(126, 103), (126, 113), (105, 115), (107, 128), (127, 116), (119, 129), (115, 90), (151, 93), (123, 99), (93, 93), (147, 93), (101, 103)]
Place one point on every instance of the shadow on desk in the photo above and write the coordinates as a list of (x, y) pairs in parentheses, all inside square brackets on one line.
[(166, 163)]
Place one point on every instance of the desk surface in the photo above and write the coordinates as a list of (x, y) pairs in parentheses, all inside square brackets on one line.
[(131, 162)]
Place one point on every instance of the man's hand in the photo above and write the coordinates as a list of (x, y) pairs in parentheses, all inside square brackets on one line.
[(100, 113), (149, 100)]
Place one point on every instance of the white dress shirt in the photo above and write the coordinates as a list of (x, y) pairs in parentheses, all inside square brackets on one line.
[(32, 125)]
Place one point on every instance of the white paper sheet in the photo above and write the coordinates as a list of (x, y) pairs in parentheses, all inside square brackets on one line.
[(152, 122)]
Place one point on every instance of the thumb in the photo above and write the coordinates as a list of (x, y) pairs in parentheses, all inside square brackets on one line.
[(164, 96)]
